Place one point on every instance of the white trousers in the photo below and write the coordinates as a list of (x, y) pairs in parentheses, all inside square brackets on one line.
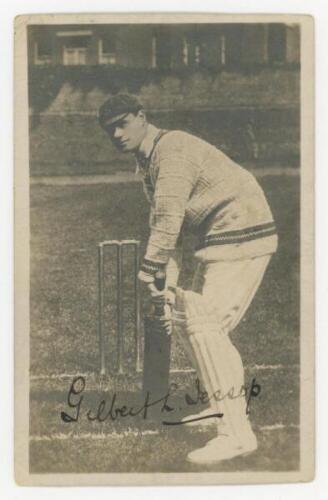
[(203, 319)]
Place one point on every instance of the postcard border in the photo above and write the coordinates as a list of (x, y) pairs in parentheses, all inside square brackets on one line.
[(21, 278)]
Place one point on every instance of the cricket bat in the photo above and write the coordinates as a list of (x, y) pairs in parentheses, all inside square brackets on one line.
[(157, 352)]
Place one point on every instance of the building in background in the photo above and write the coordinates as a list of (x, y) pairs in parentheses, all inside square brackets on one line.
[(235, 85), (166, 47)]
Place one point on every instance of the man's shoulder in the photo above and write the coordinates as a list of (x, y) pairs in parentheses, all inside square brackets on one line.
[(181, 134), (181, 144), (179, 140)]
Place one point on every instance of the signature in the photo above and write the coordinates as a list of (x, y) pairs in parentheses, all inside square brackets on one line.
[(109, 409)]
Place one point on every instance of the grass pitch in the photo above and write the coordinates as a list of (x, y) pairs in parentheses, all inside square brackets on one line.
[(67, 223)]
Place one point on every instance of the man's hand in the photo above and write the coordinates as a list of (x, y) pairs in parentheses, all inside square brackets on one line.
[(164, 300), (161, 297)]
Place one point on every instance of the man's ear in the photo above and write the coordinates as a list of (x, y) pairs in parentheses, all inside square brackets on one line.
[(142, 116)]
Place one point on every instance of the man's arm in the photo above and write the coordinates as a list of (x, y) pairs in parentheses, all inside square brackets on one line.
[(176, 178), (173, 268)]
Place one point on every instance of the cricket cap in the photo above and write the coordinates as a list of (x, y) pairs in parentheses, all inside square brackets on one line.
[(117, 107)]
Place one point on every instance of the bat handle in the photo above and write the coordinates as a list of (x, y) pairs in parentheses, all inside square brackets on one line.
[(160, 278), (159, 282)]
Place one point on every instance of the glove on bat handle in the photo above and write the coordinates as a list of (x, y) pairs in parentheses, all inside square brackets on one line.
[(159, 282)]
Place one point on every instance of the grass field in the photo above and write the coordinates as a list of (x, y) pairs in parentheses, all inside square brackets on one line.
[(66, 225)]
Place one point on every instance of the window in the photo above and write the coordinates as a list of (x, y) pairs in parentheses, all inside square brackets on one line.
[(185, 52), (197, 55), (222, 58), (75, 50), (43, 52), (74, 56), (191, 52), (206, 47), (106, 51)]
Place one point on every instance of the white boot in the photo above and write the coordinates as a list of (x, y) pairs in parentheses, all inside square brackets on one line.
[(222, 448)]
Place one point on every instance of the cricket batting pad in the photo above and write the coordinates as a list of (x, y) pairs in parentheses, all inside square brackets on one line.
[(223, 292), (179, 326), (219, 365)]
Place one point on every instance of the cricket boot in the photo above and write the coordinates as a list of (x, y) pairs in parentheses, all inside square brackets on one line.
[(222, 448)]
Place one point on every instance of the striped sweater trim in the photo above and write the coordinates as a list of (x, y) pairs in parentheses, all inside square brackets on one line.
[(151, 267), (238, 236)]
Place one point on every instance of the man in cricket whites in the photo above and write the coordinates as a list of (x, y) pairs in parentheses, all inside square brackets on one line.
[(190, 183)]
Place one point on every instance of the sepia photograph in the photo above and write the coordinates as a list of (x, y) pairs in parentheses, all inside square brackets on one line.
[(164, 176)]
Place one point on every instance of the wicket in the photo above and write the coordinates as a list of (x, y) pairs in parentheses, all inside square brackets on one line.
[(119, 245)]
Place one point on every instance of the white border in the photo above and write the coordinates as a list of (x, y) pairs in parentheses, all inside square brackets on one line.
[(318, 488), (22, 237)]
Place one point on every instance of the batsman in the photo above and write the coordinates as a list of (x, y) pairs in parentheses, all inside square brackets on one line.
[(192, 185)]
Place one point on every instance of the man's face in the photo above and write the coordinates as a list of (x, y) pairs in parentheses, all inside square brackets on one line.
[(128, 132)]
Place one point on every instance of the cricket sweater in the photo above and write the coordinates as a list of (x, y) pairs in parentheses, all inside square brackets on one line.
[(191, 183)]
